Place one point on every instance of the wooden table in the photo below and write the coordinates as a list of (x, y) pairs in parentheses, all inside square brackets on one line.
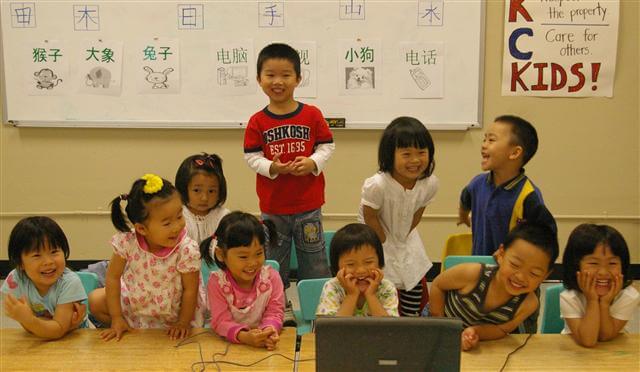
[(542, 352), (148, 350)]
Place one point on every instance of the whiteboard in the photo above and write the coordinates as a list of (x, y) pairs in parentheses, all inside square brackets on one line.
[(457, 25)]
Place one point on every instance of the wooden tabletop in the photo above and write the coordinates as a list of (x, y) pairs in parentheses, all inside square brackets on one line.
[(542, 352), (148, 350)]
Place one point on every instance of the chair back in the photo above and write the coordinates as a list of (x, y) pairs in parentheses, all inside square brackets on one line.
[(551, 320), (456, 245), (309, 291), (89, 281), (451, 261)]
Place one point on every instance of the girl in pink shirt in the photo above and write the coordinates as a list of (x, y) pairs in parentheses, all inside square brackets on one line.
[(246, 297)]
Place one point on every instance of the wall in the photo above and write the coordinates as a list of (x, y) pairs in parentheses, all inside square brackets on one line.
[(588, 165)]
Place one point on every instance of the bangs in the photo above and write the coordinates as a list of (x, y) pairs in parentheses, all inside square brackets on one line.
[(242, 235), (409, 136)]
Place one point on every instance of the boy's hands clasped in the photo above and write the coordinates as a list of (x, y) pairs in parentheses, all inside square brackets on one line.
[(300, 166)]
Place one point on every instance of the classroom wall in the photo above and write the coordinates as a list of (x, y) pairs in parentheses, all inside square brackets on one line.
[(588, 164)]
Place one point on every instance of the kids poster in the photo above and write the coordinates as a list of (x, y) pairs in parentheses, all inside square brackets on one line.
[(560, 48)]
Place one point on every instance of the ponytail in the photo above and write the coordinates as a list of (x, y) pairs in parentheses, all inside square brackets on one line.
[(206, 252), (142, 191), (117, 217)]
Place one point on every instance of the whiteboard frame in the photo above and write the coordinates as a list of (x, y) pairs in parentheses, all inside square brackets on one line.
[(154, 124)]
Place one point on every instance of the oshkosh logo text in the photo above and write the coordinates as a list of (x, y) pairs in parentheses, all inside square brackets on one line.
[(286, 132)]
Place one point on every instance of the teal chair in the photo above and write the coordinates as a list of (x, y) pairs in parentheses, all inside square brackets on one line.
[(89, 281), (551, 320), (309, 291), (293, 261), (206, 270), (451, 261)]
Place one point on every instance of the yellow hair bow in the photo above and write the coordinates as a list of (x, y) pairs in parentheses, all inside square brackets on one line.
[(153, 185)]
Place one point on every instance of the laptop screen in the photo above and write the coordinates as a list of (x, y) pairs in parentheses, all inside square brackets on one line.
[(387, 344)]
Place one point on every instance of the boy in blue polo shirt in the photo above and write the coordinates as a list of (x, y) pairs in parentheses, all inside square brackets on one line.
[(502, 197)]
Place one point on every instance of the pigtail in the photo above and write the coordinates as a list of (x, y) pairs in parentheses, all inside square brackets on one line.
[(216, 168), (206, 251), (117, 217), (270, 234)]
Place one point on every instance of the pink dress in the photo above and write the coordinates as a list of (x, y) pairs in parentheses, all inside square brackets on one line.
[(151, 284), (234, 309)]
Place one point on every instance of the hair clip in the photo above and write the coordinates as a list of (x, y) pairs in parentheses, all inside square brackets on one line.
[(208, 159), (153, 184)]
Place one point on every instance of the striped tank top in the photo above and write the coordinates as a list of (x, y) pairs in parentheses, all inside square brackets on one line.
[(469, 307)]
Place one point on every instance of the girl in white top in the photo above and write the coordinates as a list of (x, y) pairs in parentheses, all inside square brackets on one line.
[(203, 188), (599, 300), (393, 201), (153, 278)]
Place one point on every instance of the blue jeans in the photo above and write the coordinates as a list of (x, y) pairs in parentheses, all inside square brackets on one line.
[(306, 231)]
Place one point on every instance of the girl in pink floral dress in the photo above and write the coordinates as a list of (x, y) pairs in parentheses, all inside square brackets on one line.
[(246, 297), (153, 279)]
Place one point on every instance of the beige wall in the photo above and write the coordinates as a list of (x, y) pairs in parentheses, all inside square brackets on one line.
[(587, 166)]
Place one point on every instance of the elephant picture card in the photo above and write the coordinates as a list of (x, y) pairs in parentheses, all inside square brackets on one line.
[(99, 67)]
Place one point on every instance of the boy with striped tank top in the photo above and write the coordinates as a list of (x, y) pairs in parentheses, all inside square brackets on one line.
[(492, 301)]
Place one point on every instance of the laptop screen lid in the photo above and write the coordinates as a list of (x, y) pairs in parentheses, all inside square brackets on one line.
[(387, 344)]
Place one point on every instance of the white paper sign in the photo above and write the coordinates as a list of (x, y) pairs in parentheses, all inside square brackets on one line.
[(158, 66), (560, 48), (233, 67), (308, 87), (47, 68), (359, 67), (100, 67), (421, 70)]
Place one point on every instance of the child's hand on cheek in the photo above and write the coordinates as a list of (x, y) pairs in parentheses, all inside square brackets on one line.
[(616, 286), (587, 284), (469, 339), (348, 282), (374, 282)]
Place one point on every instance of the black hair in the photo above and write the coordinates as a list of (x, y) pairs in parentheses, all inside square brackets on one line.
[(539, 235), (583, 241), (405, 132), (352, 237), (523, 134), (137, 200), (279, 51), (209, 164), (31, 234), (238, 229)]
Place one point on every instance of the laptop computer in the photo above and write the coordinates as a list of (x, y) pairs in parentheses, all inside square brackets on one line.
[(387, 344)]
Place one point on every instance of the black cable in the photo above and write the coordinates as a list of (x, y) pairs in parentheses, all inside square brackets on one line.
[(513, 352), (203, 363)]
